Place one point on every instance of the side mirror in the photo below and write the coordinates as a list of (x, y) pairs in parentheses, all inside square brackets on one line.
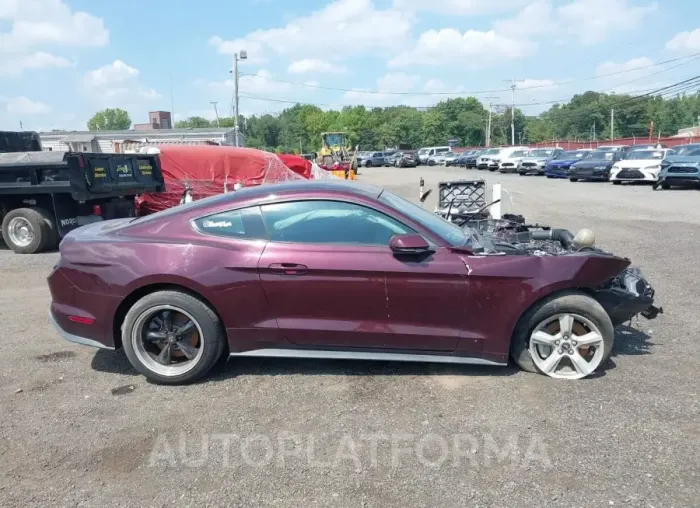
[(409, 244)]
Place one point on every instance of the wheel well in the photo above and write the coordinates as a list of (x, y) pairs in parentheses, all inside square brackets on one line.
[(548, 296), (139, 293)]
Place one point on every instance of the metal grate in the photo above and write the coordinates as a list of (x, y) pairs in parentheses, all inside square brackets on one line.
[(466, 197), (682, 169)]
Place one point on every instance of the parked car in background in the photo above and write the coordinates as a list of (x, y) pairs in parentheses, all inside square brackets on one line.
[(389, 156), (680, 170), (559, 167), (686, 149), (448, 157), (426, 153), (537, 160), (651, 146), (439, 159), (639, 166), (613, 148), (406, 160), (468, 160), (485, 158), (461, 159), (510, 163), (596, 166), (374, 159), (504, 153)]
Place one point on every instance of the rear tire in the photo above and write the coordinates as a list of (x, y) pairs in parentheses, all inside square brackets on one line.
[(573, 303), (573, 179), (25, 230), (212, 341), (617, 182), (52, 236)]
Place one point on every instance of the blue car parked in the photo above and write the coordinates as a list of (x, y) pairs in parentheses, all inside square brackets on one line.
[(559, 167), (680, 171)]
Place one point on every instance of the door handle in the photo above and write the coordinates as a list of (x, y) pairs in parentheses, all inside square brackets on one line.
[(288, 268)]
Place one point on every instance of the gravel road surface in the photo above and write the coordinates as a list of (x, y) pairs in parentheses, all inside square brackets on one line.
[(78, 427)]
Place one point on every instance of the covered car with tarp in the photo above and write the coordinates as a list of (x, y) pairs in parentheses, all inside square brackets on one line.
[(197, 172)]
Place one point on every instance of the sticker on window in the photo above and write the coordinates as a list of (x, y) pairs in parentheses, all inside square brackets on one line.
[(608, 156)]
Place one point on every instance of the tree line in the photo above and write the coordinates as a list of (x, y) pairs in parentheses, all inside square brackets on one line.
[(585, 117)]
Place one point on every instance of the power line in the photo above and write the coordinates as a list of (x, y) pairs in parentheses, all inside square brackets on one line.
[(689, 59)]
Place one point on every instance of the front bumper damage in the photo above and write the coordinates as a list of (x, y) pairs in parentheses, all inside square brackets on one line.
[(624, 296)]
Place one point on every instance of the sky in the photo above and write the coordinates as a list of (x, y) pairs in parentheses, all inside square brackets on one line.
[(63, 60)]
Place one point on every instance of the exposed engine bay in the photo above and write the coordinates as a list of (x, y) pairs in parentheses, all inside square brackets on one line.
[(623, 297)]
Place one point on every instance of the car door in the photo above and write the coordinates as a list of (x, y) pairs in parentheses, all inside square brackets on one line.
[(331, 280)]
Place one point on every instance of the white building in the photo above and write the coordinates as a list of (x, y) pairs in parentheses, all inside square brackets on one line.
[(131, 140)]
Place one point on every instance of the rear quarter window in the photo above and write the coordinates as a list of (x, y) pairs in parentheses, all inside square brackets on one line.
[(245, 224)]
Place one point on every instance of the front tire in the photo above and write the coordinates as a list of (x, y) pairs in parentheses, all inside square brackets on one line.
[(172, 337), (565, 336), (617, 182), (573, 179)]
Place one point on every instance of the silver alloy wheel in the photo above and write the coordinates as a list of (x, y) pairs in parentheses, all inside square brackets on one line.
[(164, 347), (20, 232), (560, 350)]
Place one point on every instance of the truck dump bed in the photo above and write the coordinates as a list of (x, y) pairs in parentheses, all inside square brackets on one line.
[(84, 175)]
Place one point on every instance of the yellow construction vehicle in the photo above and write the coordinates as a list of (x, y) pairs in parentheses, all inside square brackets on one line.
[(334, 155)]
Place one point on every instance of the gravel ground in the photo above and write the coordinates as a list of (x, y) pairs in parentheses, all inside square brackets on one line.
[(80, 428)]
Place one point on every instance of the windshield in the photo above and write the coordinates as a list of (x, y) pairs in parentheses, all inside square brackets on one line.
[(450, 155), (573, 154), (519, 153), (646, 154), (684, 150), (492, 151), (423, 151), (541, 153), (599, 155), (451, 233)]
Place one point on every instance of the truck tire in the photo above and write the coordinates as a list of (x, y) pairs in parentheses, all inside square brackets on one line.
[(52, 237), (25, 231)]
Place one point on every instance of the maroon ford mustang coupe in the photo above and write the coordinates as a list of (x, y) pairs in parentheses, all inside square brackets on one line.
[(322, 269)]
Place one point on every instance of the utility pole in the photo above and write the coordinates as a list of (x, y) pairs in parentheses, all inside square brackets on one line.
[(488, 131), (214, 103), (512, 116), (242, 55), (21, 127), (612, 124)]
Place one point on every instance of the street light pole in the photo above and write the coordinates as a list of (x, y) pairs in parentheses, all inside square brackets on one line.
[(236, 56)]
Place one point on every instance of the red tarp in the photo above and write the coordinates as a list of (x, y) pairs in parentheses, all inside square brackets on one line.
[(297, 164), (211, 170)]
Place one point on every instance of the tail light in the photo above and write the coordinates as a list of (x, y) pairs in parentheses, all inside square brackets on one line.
[(97, 210)]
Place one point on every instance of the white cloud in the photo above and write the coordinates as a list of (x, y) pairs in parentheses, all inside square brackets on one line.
[(257, 84), (458, 7), (341, 28), (475, 48), (624, 77), (535, 18), (397, 82), (118, 81), (36, 24), (593, 21), (255, 50), (24, 106), (309, 65), (685, 42), (536, 84), (16, 65)]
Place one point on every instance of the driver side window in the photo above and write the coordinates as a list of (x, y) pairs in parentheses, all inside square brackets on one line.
[(329, 222)]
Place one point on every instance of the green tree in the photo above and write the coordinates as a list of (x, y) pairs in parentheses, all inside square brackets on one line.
[(110, 119), (194, 122)]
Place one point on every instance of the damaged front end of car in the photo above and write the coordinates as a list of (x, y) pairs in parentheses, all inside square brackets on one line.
[(623, 296)]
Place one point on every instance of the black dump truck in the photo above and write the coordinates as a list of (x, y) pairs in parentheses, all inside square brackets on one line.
[(44, 194)]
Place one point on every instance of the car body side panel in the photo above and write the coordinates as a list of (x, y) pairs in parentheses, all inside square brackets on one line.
[(502, 288), (223, 271)]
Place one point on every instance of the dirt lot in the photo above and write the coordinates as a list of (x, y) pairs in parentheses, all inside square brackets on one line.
[(78, 427)]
